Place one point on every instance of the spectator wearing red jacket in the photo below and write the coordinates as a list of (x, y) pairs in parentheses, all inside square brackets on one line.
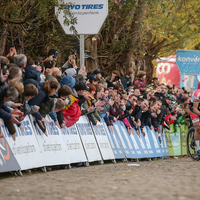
[(140, 81)]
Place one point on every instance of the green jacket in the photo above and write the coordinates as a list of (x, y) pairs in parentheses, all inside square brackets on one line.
[(47, 107)]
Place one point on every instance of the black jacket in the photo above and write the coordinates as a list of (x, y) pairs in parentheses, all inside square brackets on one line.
[(47, 107), (159, 96), (146, 119), (164, 110), (4, 110)]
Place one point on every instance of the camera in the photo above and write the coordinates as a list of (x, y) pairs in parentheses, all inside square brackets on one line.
[(116, 78), (56, 54), (4, 67), (92, 102)]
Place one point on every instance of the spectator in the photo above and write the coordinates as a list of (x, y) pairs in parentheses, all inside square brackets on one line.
[(126, 79), (98, 74), (20, 60), (140, 81)]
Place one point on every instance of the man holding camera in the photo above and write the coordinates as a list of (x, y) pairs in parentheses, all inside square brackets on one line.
[(115, 78)]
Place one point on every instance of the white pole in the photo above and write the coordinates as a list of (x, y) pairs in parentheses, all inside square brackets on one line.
[(82, 51)]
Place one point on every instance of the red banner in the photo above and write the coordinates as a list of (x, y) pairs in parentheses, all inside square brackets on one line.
[(168, 73)]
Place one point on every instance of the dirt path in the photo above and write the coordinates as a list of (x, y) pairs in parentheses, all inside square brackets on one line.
[(159, 179)]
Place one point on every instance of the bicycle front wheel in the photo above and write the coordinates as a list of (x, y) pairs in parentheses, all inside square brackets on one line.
[(191, 145)]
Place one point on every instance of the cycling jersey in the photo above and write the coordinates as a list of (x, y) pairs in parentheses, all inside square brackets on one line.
[(195, 96), (194, 99)]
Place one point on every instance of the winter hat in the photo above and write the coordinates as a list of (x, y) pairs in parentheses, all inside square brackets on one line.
[(68, 80), (81, 86), (70, 72)]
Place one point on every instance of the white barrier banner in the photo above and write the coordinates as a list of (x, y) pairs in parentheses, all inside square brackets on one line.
[(25, 148), (103, 142), (73, 144), (52, 147), (114, 142), (88, 140)]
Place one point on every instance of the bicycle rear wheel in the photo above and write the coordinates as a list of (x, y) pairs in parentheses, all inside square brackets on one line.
[(191, 145)]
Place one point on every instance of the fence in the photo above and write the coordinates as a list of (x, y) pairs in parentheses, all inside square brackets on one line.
[(83, 142)]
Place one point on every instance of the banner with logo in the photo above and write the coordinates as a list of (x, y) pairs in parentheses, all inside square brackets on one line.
[(88, 140), (183, 140), (188, 61), (140, 148), (114, 143), (8, 161), (124, 140), (176, 142), (155, 142), (141, 144), (90, 16), (73, 144), (163, 144), (53, 149), (148, 140), (25, 147), (169, 143), (103, 142)]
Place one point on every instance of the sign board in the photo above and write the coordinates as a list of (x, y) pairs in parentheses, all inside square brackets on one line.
[(52, 147), (156, 142), (188, 62), (73, 144), (88, 140), (125, 138), (163, 144), (114, 142), (25, 147), (148, 140), (103, 142), (8, 161), (90, 15), (183, 140), (176, 142)]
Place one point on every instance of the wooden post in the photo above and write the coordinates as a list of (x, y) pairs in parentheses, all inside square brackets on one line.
[(3, 39)]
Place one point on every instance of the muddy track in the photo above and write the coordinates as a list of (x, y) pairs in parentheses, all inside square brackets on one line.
[(159, 179)]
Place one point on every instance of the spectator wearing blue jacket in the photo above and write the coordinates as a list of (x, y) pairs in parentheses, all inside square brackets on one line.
[(32, 71), (126, 79)]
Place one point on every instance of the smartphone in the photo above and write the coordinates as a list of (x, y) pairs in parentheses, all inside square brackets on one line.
[(4, 67), (56, 54)]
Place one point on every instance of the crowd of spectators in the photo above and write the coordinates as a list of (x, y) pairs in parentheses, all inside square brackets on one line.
[(37, 87)]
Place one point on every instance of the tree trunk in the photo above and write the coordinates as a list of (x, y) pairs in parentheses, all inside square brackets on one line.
[(91, 49), (3, 38), (135, 27)]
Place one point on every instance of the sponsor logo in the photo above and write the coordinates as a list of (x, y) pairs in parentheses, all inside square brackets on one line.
[(86, 6), (4, 151), (188, 59)]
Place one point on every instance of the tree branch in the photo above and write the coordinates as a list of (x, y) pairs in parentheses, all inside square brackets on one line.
[(20, 21)]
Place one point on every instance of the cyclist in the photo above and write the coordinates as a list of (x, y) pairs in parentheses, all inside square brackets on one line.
[(195, 113)]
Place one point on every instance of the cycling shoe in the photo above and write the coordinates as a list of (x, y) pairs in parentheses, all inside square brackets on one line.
[(198, 153)]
